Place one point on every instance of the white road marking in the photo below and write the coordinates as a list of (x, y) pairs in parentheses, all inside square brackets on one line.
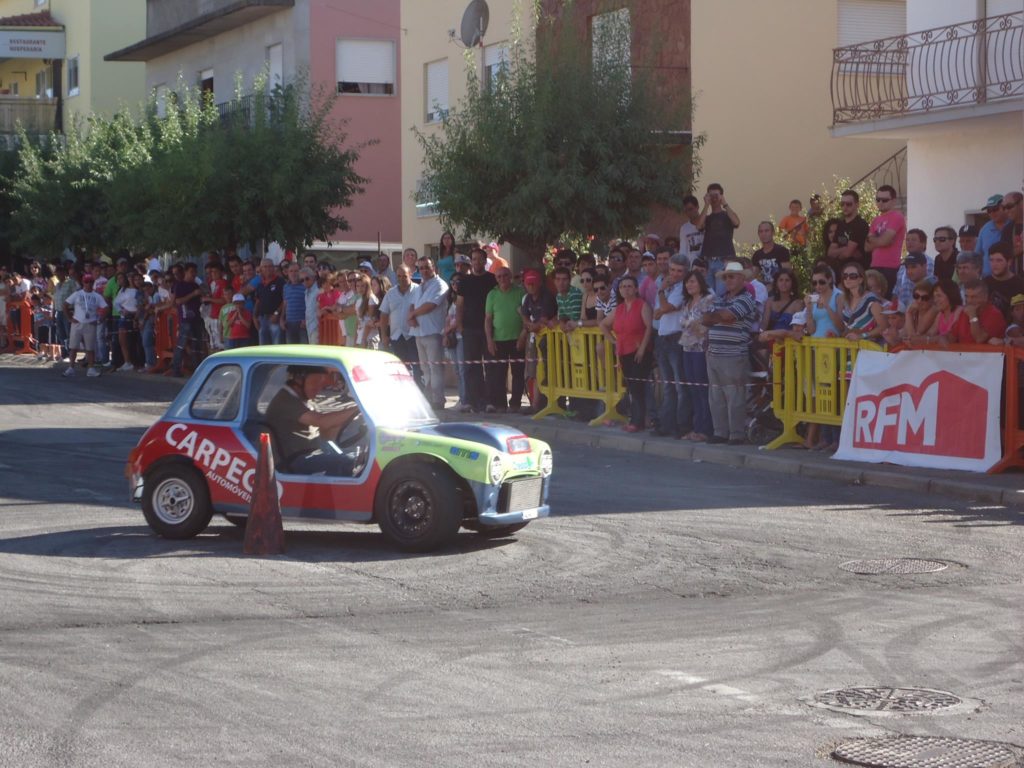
[(716, 688), (556, 638)]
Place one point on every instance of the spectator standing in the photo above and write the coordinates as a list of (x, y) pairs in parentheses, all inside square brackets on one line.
[(631, 322), (886, 235), (860, 307), (991, 231), (367, 311), (718, 222), (269, 291), (794, 225), (384, 269), (539, 310), (784, 301), (395, 331), (980, 322), (130, 303), (328, 324), (915, 268), (494, 259), (506, 343), (293, 307), (944, 264), (729, 324), (693, 338), (85, 309), (214, 297), (1013, 207), (410, 258), (307, 276), (346, 308), (691, 239), (238, 320), (426, 321), (850, 243), (675, 417), (968, 238), (616, 269), (650, 280), (569, 300), (68, 284), (770, 257), (470, 310), (187, 298), (1002, 284), (454, 348), (446, 257)]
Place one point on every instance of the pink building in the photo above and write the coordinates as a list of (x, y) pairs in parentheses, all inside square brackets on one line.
[(350, 47)]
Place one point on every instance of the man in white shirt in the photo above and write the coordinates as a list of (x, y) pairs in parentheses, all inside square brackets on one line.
[(84, 308), (691, 238), (675, 418), (426, 323), (394, 319)]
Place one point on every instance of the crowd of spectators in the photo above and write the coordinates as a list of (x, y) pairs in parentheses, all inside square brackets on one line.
[(688, 313)]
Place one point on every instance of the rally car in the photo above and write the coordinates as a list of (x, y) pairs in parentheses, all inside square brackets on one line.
[(417, 478)]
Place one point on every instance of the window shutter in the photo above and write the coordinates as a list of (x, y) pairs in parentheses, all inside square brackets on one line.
[(437, 90), (864, 20), (366, 61), (495, 54)]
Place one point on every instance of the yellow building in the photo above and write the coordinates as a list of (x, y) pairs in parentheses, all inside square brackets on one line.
[(51, 61), (759, 73)]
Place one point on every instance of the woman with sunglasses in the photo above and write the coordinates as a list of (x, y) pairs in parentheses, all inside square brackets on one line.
[(860, 307), (631, 323), (921, 314), (823, 321), (588, 309)]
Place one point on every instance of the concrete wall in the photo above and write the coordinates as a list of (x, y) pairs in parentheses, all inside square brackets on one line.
[(763, 99), (162, 15)]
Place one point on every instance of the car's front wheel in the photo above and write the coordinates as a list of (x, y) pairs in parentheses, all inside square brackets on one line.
[(176, 502), (418, 509)]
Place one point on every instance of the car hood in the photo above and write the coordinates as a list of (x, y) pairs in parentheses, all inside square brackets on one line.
[(492, 435)]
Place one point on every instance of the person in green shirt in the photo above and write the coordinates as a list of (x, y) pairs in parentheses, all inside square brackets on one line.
[(506, 342), (569, 299)]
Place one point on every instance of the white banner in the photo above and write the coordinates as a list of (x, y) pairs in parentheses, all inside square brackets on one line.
[(31, 44), (924, 409)]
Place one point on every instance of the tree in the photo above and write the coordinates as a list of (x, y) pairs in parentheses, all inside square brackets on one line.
[(560, 143)]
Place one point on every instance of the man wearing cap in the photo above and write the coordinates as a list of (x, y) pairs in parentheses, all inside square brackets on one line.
[(84, 309), (303, 433), (886, 235), (729, 327), (394, 319), (470, 312), (968, 238), (944, 264), (238, 322), (426, 322), (366, 267), (1002, 284), (916, 266), (462, 264), (494, 259), (992, 230)]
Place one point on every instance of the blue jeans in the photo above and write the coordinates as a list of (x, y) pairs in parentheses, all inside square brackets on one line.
[(294, 333), (270, 331), (457, 355), (190, 334), (676, 415), (149, 341), (695, 373)]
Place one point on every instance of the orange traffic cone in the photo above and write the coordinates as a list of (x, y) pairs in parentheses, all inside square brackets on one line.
[(264, 532)]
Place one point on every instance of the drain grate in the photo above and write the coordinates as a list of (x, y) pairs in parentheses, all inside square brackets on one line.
[(925, 752), (898, 565), (885, 700)]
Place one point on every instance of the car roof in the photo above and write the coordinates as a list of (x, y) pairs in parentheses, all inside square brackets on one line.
[(283, 353)]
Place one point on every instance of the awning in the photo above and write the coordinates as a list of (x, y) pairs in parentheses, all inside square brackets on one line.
[(31, 36), (224, 19)]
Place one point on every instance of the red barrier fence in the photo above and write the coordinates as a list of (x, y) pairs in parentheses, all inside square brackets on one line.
[(20, 340)]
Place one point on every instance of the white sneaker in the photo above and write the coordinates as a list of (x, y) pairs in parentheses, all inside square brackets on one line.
[(127, 367), (41, 356), (93, 372), (68, 372)]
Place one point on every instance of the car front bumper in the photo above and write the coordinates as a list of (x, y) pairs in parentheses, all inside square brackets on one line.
[(497, 505)]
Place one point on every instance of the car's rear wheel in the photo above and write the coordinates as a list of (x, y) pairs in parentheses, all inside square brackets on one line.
[(418, 509), (176, 502)]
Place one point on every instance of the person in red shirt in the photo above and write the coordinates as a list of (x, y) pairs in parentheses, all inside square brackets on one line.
[(216, 299), (980, 322), (238, 322)]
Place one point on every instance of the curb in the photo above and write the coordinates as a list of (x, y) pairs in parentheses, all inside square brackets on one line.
[(780, 463)]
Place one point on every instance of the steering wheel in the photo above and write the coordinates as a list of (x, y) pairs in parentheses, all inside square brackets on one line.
[(355, 431)]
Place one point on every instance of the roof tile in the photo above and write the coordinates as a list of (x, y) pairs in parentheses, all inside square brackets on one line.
[(41, 19)]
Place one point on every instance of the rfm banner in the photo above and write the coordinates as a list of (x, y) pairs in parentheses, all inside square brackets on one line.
[(924, 409)]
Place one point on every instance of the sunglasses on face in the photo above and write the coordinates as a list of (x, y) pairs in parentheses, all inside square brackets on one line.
[(851, 276), (586, 280), (615, 258), (940, 239), (821, 282), (922, 297)]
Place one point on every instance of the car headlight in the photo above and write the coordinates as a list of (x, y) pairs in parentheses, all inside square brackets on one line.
[(547, 463), (497, 469)]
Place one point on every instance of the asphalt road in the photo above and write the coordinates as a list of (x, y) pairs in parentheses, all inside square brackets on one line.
[(668, 614)]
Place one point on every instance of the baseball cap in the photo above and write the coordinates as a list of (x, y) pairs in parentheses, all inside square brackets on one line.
[(87, 278), (915, 258), (531, 276), (106, 260), (648, 256), (993, 201), (461, 258), (366, 265), (969, 230), (1017, 300), (238, 297)]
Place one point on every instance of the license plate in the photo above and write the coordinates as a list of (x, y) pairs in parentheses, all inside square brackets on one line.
[(530, 514)]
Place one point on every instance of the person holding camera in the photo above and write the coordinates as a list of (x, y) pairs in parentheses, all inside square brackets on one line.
[(718, 222)]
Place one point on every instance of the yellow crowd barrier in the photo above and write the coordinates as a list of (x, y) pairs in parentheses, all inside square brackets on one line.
[(579, 364), (810, 381)]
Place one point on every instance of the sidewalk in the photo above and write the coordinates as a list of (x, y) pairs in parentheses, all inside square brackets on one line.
[(1006, 489)]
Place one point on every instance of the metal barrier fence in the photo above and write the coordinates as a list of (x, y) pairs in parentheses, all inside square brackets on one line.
[(580, 364)]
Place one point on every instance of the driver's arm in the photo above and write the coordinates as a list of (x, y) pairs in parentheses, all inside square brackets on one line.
[(331, 420)]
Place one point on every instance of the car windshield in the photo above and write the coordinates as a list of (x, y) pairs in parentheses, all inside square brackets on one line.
[(387, 391)]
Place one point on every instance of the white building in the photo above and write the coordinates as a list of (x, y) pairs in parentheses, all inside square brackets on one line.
[(952, 87)]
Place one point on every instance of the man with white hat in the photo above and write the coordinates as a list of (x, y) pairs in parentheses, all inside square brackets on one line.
[(237, 323)]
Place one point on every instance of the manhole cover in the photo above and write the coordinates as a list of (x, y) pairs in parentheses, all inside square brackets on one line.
[(925, 752), (882, 700), (896, 565)]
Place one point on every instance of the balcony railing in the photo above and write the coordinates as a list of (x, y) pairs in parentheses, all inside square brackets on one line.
[(37, 116), (972, 63)]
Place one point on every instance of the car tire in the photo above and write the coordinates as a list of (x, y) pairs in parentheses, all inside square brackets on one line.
[(176, 501), (498, 531), (237, 520), (417, 508)]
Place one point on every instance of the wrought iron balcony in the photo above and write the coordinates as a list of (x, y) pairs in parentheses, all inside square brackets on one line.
[(37, 116), (976, 62)]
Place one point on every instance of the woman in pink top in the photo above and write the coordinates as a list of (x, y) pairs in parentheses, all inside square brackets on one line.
[(631, 322), (946, 298)]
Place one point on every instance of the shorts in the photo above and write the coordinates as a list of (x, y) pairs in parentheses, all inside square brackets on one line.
[(83, 336), (126, 322)]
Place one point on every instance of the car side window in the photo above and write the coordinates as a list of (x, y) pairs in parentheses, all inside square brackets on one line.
[(219, 397)]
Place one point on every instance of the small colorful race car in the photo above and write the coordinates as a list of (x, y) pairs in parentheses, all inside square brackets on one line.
[(416, 477)]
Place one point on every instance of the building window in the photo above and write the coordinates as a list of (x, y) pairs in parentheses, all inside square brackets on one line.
[(424, 208), (15, 87), (40, 2), (863, 20), (437, 90), (161, 100), (366, 67), (275, 66), (44, 83), (206, 84), (495, 62), (610, 36), (73, 76)]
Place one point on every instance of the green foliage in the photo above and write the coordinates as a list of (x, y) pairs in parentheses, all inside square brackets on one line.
[(559, 146), (272, 166)]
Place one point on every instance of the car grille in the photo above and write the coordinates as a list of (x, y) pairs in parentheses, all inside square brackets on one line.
[(523, 493)]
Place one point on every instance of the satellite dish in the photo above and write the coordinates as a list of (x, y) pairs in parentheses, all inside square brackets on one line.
[(474, 23)]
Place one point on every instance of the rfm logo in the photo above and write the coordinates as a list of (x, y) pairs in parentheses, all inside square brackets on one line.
[(944, 415)]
